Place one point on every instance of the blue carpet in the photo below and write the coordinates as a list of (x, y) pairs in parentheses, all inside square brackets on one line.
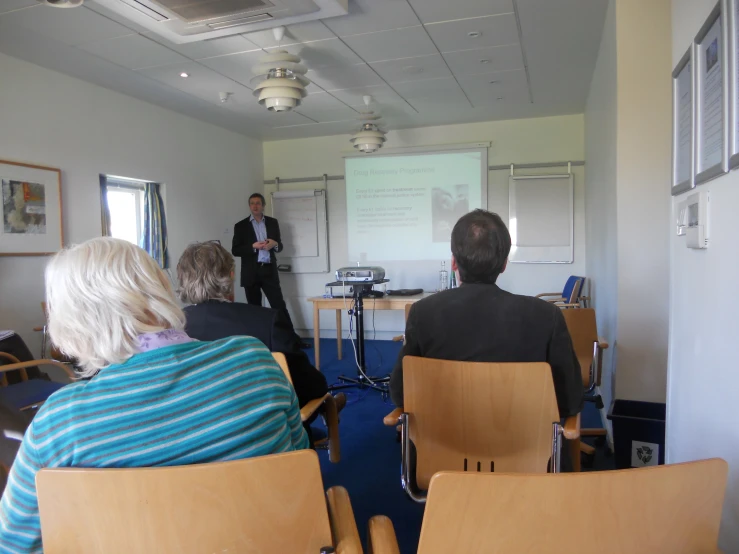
[(370, 455)]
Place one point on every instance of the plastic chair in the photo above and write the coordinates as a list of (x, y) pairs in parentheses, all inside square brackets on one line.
[(327, 403), (570, 295), (673, 508), (476, 416), (266, 504)]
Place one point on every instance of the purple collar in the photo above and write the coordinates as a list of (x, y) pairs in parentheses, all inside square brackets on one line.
[(158, 339)]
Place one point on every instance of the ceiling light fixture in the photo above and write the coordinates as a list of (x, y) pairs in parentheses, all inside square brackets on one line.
[(184, 75), (280, 79), (61, 3), (370, 137), (484, 61)]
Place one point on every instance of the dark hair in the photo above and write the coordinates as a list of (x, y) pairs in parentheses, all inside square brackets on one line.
[(480, 245), (257, 195)]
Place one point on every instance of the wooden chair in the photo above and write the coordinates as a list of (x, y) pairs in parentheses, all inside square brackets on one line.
[(29, 393), (476, 416), (399, 338), (327, 403), (570, 295), (266, 504), (589, 349), (673, 508)]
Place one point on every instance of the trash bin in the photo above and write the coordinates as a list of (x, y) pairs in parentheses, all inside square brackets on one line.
[(638, 433)]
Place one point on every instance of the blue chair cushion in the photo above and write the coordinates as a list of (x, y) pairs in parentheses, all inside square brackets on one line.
[(570, 286), (27, 393)]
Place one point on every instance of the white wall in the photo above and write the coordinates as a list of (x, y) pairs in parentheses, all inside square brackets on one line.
[(600, 196), (703, 380), (518, 141), (51, 119)]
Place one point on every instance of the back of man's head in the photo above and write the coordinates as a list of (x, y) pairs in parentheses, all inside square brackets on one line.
[(480, 245)]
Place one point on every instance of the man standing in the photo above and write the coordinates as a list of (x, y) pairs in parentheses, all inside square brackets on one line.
[(256, 240)]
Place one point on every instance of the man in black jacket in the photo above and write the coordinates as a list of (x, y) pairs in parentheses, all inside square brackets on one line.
[(480, 322)]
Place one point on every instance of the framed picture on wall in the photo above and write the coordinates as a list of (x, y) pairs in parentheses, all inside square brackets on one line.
[(683, 123), (732, 13), (31, 209), (712, 98)]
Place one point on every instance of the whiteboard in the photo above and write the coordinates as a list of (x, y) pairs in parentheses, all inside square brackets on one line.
[(304, 230), (541, 218)]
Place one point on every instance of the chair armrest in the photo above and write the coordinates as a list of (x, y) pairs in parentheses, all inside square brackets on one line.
[(602, 343), (566, 305), (37, 329), (32, 363), (328, 403), (557, 294), (571, 428), (393, 418), (381, 538), (343, 525), (13, 359), (398, 338)]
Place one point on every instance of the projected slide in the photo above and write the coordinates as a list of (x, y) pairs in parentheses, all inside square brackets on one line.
[(404, 207)]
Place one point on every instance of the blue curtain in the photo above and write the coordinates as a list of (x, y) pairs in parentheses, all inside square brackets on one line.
[(104, 209), (154, 239)]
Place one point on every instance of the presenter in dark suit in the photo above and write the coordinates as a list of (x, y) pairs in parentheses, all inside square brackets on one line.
[(206, 276), (256, 240), (480, 322)]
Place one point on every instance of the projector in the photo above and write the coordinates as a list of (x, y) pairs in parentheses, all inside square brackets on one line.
[(360, 274)]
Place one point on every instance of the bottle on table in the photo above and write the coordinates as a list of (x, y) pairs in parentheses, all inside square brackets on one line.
[(443, 277)]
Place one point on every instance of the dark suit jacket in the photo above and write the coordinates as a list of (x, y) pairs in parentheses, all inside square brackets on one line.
[(483, 323), (244, 238), (213, 320)]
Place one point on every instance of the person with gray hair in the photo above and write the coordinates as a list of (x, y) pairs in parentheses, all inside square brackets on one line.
[(206, 276), (149, 395)]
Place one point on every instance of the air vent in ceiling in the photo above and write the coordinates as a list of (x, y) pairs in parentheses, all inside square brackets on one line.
[(183, 21)]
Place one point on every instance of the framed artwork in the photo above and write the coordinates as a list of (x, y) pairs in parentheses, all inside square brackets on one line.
[(712, 98), (683, 123), (31, 197), (733, 32)]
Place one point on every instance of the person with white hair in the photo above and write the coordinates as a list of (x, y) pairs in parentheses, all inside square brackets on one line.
[(149, 395)]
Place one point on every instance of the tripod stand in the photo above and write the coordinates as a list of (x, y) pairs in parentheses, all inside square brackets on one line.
[(362, 380)]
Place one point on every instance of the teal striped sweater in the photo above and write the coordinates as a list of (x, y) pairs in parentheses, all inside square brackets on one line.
[(191, 403)]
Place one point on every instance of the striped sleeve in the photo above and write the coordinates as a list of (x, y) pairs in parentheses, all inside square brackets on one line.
[(20, 527)]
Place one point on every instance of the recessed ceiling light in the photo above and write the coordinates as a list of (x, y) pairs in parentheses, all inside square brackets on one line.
[(494, 82), (473, 34), (184, 75), (484, 61), (499, 98)]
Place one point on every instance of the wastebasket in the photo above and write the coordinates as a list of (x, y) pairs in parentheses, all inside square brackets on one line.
[(638, 433)]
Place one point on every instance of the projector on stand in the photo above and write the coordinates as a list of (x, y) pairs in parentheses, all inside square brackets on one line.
[(364, 274)]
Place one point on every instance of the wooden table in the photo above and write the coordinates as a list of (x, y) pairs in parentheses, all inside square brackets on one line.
[(340, 304)]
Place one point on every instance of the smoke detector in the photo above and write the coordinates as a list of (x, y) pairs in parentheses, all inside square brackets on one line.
[(280, 79), (370, 137)]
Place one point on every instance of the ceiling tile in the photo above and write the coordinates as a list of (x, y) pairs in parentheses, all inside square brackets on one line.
[(202, 82), (381, 95), (368, 16), (72, 27), (295, 34), (485, 60), (412, 69), (11, 5), (324, 101), (495, 30), (391, 45), (435, 92), (430, 11), (322, 53), (342, 77), (267, 118), (133, 52), (235, 66), (344, 113), (209, 48), (483, 90), (115, 16)]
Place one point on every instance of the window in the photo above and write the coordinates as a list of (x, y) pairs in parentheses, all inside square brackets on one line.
[(126, 206)]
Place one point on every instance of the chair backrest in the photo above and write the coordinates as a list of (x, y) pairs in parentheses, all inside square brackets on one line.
[(476, 416), (267, 504), (674, 508), (407, 310), (282, 362), (584, 332), (572, 289)]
